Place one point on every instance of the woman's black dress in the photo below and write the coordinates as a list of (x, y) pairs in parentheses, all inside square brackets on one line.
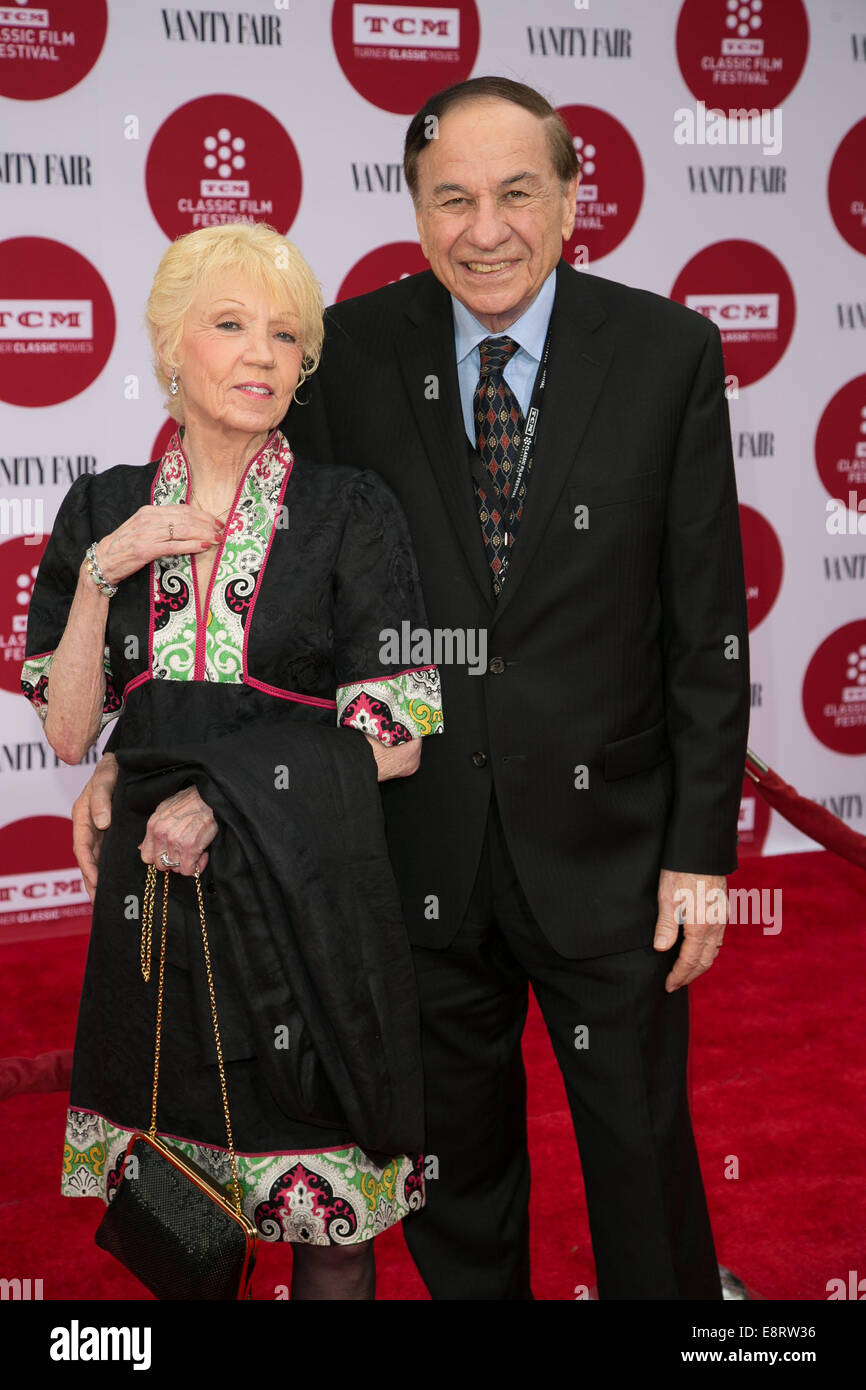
[(315, 575)]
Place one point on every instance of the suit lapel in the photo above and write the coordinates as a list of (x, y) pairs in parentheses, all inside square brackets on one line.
[(425, 352), (580, 355)]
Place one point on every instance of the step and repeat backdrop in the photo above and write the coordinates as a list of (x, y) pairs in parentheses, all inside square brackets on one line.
[(724, 164)]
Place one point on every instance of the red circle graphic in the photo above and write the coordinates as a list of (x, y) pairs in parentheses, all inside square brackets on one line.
[(222, 159), (397, 53), (747, 292), (56, 322)]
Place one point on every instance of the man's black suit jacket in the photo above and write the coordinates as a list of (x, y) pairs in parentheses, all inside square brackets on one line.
[(622, 626)]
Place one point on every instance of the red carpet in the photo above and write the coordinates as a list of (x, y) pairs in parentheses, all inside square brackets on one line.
[(778, 1083)]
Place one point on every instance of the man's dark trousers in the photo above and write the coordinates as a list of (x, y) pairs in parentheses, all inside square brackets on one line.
[(621, 1044)]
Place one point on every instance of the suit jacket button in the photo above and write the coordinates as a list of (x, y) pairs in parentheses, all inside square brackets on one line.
[(496, 665), (479, 759)]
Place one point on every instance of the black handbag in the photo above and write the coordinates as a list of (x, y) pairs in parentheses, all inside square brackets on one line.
[(168, 1221)]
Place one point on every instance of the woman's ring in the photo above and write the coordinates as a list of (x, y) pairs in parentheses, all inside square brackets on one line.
[(171, 532), (169, 863)]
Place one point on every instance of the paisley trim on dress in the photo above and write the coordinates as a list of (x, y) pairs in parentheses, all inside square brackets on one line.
[(266, 557), (393, 709), (35, 683), (309, 1196), (182, 647)]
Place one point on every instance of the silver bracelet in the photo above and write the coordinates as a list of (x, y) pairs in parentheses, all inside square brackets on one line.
[(91, 564)]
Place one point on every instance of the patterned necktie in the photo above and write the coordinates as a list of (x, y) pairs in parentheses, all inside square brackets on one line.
[(499, 426)]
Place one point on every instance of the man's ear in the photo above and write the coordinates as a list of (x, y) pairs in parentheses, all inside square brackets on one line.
[(420, 226)]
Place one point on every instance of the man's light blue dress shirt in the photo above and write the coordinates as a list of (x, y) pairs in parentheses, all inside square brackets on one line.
[(530, 332)]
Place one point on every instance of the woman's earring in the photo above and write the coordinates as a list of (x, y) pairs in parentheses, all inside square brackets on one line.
[(173, 387)]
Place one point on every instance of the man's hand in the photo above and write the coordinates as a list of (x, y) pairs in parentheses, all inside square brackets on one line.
[(400, 761), (91, 816), (704, 913)]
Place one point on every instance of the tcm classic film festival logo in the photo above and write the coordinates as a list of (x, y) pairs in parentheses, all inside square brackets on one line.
[(846, 187), (747, 293), (39, 880), (56, 322), (742, 53), (222, 159), (396, 53), (611, 183), (45, 50), (834, 690), (840, 454), (19, 562)]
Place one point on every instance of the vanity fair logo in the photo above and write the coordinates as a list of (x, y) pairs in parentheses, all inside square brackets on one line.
[(763, 562), (747, 293), (222, 159), (742, 52), (834, 690), (611, 183), (56, 322), (381, 267), (846, 187), (396, 53), (45, 50), (223, 26), (51, 168)]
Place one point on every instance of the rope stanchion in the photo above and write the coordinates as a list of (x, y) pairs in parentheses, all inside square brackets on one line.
[(813, 820), (51, 1071)]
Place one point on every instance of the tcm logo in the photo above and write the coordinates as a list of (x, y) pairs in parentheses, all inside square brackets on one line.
[(24, 890), (37, 18), (422, 26), (67, 319), (742, 48), (737, 310)]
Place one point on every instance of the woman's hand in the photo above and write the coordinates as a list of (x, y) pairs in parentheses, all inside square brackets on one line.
[(147, 535), (181, 827)]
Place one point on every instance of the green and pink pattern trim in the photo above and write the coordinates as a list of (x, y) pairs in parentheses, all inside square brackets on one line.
[(35, 674), (328, 1197)]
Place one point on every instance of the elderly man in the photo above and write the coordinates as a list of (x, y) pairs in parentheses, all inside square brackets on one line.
[(560, 444)]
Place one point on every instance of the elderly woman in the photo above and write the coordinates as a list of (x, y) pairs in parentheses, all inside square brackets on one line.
[(226, 606)]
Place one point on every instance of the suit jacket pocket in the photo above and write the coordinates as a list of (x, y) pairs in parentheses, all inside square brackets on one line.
[(637, 753), (603, 492)]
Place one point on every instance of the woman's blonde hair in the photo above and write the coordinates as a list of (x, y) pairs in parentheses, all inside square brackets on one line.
[(270, 261)]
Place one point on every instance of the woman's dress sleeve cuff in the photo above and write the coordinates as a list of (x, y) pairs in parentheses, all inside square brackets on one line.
[(35, 681), (393, 709)]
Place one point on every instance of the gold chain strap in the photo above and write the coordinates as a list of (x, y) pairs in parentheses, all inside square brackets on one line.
[(146, 954)]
